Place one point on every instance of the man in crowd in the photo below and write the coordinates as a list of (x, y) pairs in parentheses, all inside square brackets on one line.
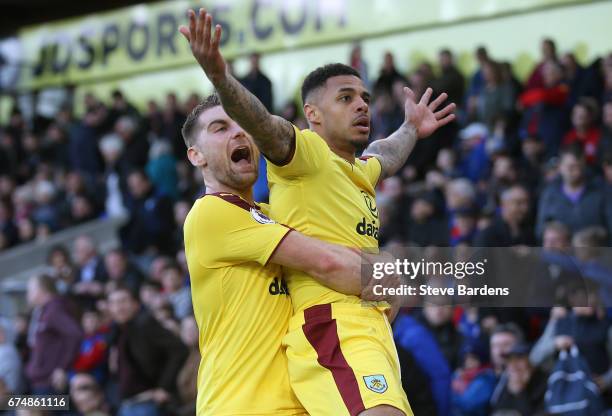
[(575, 199), (54, 337), (147, 357)]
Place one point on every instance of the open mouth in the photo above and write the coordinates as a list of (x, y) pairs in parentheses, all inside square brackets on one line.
[(241, 153), (362, 122)]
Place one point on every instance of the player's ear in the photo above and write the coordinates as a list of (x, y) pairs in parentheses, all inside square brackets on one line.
[(312, 113), (196, 157)]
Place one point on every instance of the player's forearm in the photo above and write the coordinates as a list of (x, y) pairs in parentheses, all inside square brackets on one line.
[(336, 267), (273, 135), (340, 270), (393, 151)]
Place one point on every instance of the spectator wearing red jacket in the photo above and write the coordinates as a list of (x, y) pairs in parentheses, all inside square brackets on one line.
[(584, 131), (549, 54), (93, 353), (545, 112)]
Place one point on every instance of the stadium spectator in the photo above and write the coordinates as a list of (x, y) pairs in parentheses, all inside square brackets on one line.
[(84, 156), (549, 54), (545, 109), (530, 164), (451, 79), (135, 145), (161, 169), (87, 396), (10, 361), (61, 268), (9, 235), (148, 357), (503, 338), (438, 319), (388, 76), (477, 80), (357, 62), (575, 199), (418, 347), (258, 84), (151, 217), (553, 281), (93, 351), (574, 73), (523, 387), (53, 337), (605, 144), (426, 225), (121, 107), (173, 118), (115, 175), (586, 327), (121, 271), (473, 382), (90, 272), (585, 133), (542, 354), (187, 380), (496, 98), (175, 291), (510, 228)]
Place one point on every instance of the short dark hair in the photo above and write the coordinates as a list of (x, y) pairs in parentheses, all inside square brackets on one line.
[(46, 283), (574, 149), (191, 122), (172, 265), (509, 328), (319, 77), (123, 287)]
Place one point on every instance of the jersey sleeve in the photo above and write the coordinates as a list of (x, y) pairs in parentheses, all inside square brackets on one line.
[(372, 168), (235, 235), (310, 153)]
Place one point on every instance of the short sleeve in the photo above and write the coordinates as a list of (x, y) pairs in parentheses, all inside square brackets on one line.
[(372, 168), (239, 236), (310, 153)]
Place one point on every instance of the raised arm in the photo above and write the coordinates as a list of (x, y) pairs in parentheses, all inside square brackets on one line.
[(273, 135), (421, 120)]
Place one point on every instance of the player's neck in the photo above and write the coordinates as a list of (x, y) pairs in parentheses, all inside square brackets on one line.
[(246, 194), (346, 154), (343, 149)]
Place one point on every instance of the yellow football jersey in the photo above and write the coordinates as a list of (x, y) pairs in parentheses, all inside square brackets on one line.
[(241, 306), (325, 197)]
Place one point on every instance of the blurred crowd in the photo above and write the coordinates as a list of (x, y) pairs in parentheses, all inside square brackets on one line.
[(525, 164)]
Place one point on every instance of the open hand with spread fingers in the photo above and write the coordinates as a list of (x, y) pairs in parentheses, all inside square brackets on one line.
[(204, 45), (423, 115)]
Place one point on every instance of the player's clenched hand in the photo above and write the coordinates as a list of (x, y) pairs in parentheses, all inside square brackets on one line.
[(423, 115), (205, 48)]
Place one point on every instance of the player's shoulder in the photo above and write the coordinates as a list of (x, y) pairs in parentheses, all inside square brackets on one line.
[(366, 161), (216, 210), (311, 135)]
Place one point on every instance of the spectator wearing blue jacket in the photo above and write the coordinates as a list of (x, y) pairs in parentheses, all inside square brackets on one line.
[(416, 338), (473, 383)]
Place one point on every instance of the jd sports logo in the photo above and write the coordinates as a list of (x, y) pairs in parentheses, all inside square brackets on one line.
[(370, 204), (278, 288)]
